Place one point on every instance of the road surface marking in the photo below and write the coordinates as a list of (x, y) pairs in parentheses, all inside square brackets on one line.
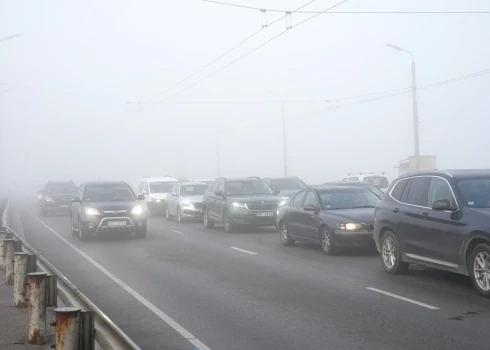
[(180, 233), (186, 334), (403, 298), (243, 250)]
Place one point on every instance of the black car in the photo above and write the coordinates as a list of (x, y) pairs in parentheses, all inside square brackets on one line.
[(56, 196), (438, 219), (362, 184), (330, 216), (288, 186), (101, 207), (240, 202)]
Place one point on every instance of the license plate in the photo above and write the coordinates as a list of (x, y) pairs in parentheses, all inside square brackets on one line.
[(116, 223), (265, 213)]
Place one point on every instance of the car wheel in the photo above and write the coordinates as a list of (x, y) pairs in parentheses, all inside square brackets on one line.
[(206, 220), (327, 240), (168, 216), (82, 234), (285, 239), (391, 256), (141, 232), (180, 219), (73, 229), (227, 222), (479, 266)]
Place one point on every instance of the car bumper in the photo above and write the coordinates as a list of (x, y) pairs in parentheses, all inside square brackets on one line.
[(354, 238), (191, 212), (97, 225), (251, 218)]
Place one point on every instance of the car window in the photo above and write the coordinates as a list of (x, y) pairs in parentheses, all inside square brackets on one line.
[(310, 199), (475, 192), (397, 191), (297, 201), (175, 190), (417, 194), (221, 186), (214, 187), (439, 190), (141, 186), (108, 193), (145, 188)]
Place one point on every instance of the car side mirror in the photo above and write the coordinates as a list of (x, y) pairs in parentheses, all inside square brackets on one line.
[(141, 197), (442, 205), (219, 193), (276, 191), (309, 207), (75, 200)]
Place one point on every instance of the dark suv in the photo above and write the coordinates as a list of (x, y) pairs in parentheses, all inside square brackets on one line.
[(56, 196), (234, 202), (101, 207), (438, 219)]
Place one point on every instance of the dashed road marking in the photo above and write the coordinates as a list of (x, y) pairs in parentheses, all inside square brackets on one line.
[(403, 298), (244, 251)]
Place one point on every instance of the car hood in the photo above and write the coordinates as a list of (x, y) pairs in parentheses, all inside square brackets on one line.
[(197, 198), (358, 215), (260, 199), (481, 211), (110, 206)]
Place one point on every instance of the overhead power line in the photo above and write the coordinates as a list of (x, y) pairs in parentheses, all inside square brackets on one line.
[(345, 12)]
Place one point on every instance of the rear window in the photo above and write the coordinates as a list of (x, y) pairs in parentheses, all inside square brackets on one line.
[(161, 187), (378, 181), (417, 194)]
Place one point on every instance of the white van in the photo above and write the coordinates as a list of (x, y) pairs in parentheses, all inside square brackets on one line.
[(377, 179), (155, 190)]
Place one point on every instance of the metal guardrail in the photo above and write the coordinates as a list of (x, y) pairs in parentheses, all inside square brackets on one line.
[(107, 334)]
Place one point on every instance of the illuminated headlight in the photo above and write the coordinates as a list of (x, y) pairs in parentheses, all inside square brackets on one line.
[(186, 203), (138, 210), (349, 226), (91, 211), (155, 200), (238, 206), (39, 196), (282, 203), (48, 199)]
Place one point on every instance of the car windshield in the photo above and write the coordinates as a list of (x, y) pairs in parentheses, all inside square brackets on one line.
[(247, 187), (161, 187), (288, 184), (376, 191), (475, 193), (61, 187), (378, 181), (348, 199), (192, 190), (108, 193)]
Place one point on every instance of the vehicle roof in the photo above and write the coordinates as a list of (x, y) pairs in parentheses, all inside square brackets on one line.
[(193, 183), (348, 183), (281, 178), (343, 188), (161, 179), (455, 173), (104, 183), (199, 180), (59, 182)]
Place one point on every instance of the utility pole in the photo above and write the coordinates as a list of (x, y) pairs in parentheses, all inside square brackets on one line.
[(284, 141)]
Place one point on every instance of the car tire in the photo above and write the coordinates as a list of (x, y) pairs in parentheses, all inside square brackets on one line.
[(180, 219), (82, 234), (141, 232), (206, 220), (391, 257), (284, 234), (479, 268), (74, 232), (229, 228), (168, 216), (327, 241)]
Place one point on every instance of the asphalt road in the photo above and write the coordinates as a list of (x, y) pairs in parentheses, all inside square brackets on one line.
[(246, 291)]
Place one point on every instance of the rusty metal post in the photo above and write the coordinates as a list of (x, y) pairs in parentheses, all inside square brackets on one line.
[(87, 330), (20, 279), (31, 263), (3, 235), (17, 246), (67, 328), (37, 307), (8, 262), (51, 291)]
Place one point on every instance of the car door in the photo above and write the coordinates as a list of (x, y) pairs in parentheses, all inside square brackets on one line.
[(293, 212), (76, 206), (310, 221), (208, 199), (173, 199), (441, 232), (219, 201)]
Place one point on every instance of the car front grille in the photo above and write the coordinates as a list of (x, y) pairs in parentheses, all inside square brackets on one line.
[(260, 206), (368, 227), (197, 205)]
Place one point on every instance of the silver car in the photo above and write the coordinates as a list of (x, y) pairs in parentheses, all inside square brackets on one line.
[(185, 201)]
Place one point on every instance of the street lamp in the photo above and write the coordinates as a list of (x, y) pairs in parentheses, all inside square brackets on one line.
[(415, 109), (11, 37)]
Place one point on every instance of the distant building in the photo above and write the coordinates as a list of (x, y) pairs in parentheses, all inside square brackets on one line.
[(408, 165)]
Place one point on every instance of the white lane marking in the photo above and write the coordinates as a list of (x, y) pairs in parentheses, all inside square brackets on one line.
[(180, 233), (403, 298), (186, 334), (244, 251)]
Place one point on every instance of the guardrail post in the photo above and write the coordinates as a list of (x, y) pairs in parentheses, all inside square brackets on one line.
[(87, 330), (37, 307), (8, 262), (17, 246), (31, 263), (51, 291), (3, 235), (20, 279), (67, 328)]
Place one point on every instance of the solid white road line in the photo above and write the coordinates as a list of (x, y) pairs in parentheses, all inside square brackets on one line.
[(186, 334), (403, 298), (243, 250), (180, 233)]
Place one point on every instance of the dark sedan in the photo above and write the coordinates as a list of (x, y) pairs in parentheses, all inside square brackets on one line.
[(102, 207), (56, 196), (329, 215)]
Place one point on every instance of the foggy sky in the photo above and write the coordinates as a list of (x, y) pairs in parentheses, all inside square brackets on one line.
[(66, 84)]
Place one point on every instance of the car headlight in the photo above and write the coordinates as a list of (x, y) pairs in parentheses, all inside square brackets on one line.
[(349, 226), (238, 206), (186, 203), (282, 203), (155, 200), (138, 210), (48, 199), (91, 211)]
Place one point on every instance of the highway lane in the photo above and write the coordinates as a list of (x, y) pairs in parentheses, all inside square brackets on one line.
[(278, 298)]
